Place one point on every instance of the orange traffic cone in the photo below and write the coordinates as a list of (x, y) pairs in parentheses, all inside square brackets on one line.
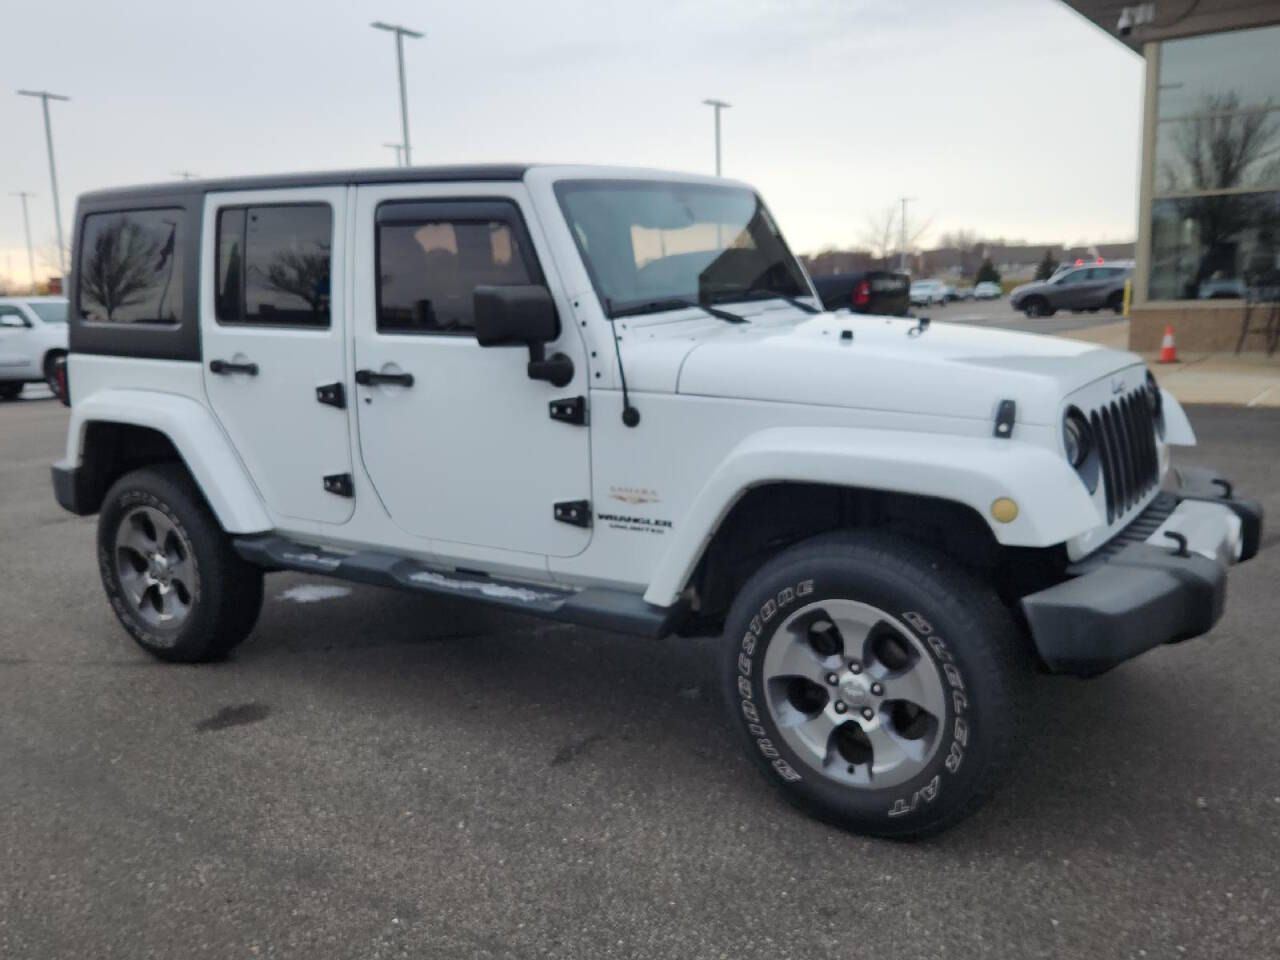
[(1168, 352)]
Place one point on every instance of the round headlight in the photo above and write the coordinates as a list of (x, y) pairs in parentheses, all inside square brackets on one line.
[(1076, 438), (1153, 392)]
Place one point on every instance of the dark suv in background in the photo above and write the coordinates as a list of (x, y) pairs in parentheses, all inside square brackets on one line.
[(1086, 287)]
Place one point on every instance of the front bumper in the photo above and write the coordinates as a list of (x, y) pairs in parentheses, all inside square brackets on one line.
[(1162, 579)]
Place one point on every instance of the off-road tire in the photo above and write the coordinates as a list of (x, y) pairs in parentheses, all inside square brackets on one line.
[(954, 618), (225, 596)]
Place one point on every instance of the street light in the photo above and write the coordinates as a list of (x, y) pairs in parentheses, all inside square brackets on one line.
[(26, 226), (398, 149), (401, 33), (45, 96), (903, 233), (717, 105)]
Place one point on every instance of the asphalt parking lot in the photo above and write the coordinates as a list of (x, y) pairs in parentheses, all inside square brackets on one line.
[(382, 775)]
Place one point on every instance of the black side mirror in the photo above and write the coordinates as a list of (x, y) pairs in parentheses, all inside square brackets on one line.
[(507, 316)]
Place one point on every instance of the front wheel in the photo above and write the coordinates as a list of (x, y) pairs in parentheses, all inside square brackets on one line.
[(170, 572), (1037, 307), (871, 678)]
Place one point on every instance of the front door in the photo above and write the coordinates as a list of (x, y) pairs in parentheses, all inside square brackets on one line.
[(459, 441), (16, 355), (272, 311)]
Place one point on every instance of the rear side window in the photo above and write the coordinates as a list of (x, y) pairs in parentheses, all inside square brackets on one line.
[(273, 265), (130, 267), (430, 263)]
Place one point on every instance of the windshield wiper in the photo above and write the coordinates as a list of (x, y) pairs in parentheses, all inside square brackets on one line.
[(676, 303), (771, 294)]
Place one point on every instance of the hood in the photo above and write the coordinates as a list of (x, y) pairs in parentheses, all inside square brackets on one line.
[(945, 370)]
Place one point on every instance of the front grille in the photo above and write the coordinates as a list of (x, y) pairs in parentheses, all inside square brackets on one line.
[(1125, 432)]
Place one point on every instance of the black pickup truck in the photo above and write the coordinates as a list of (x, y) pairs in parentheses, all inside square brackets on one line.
[(873, 291)]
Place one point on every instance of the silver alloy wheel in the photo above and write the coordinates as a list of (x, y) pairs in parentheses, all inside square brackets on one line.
[(155, 567), (854, 693)]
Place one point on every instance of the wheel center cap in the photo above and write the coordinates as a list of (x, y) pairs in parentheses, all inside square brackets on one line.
[(159, 567), (855, 691)]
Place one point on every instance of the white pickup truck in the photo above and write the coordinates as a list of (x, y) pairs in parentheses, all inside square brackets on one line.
[(608, 396)]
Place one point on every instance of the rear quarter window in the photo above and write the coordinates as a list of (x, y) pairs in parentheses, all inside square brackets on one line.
[(131, 267)]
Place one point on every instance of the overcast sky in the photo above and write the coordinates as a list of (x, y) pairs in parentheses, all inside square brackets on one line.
[(1011, 117)]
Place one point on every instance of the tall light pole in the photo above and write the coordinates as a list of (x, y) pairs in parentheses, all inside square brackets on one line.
[(26, 226), (903, 233), (45, 96), (401, 33), (398, 149), (717, 105)]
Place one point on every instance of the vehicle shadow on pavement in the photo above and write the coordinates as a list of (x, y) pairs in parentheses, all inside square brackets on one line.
[(1099, 761)]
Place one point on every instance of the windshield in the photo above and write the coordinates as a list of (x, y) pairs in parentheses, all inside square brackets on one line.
[(648, 244), (50, 311)]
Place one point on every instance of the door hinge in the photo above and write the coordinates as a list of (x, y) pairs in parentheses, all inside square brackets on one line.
[(332, 394), (340, 484), (569, 410), (1006, 413), (576, 512)]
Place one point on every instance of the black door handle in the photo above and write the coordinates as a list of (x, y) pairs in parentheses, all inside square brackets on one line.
[(225, 366), (367, 378)]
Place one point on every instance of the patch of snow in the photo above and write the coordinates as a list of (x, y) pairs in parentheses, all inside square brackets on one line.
[(316, 559), (313, 592), (495, 591)]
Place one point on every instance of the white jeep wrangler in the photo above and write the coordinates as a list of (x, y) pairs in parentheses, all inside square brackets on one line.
[(607, 396)]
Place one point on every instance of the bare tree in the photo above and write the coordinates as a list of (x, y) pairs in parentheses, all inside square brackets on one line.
[(883, 233), (119, 267), (962, 239), (304, 275)]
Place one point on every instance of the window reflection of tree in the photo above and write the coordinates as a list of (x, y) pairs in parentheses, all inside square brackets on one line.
[(1227, 146), (119, 270), (302, 274)]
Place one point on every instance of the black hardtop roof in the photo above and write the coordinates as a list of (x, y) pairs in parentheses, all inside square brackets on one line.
[(441, 174)]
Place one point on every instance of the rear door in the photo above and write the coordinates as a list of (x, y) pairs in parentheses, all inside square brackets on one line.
[(272, 312), (458, 440)]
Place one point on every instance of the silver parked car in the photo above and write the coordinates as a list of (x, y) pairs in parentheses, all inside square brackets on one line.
[(1086, 287)]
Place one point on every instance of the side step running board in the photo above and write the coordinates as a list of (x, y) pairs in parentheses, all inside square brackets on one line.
[(603, 609)]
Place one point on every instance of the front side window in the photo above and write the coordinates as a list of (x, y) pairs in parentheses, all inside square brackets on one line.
[(130, 267), (1216, 173), (649, 245), (430, 264), (273, 265)]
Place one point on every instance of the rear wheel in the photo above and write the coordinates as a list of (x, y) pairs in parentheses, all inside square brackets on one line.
[(10, 389), (871, 679), (169, 570), (51, 369), (1115, 302)]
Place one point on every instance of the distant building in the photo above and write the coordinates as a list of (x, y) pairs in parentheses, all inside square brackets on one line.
[(1209, 206)]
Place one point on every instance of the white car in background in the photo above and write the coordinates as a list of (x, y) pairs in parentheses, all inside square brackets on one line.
[(33, 338), (926, 293), (986, 290)]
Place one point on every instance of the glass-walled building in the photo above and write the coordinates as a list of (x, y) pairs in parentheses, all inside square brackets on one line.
[(1209, 210)]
